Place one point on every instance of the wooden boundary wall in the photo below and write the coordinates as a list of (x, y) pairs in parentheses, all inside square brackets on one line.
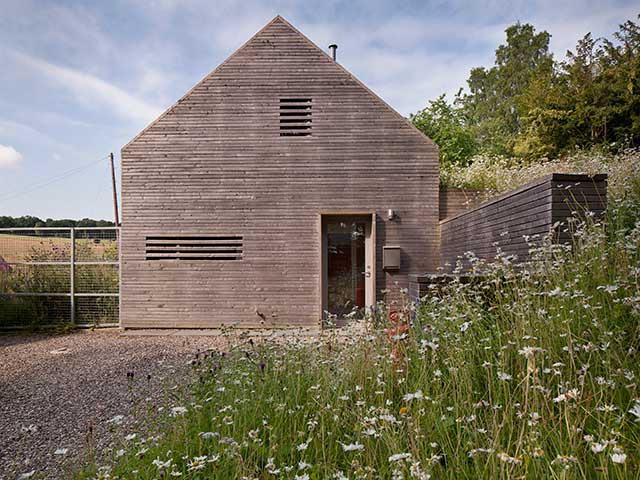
[(521, 217)]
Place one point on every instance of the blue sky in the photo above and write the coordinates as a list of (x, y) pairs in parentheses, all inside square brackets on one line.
[(81, 78)]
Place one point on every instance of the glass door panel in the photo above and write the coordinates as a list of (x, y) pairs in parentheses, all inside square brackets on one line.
[(345, 254)]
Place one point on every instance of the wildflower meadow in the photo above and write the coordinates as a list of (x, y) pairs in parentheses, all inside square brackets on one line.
[(520, 373)]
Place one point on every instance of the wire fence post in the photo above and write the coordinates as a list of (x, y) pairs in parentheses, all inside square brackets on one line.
[(72, 279)]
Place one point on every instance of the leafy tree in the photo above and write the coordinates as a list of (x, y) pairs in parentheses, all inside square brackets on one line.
[(620, 66), (445, 124), (545, 113), (592, 98), (529, 106), (492, 106), (28, 221)]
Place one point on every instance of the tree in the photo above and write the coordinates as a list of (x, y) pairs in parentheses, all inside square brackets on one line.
[(492, 106), (591, 99), (529, 106), (622, 73), (444, 124), (30, 222)]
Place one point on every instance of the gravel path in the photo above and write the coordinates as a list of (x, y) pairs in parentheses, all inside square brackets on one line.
[(57, 392)]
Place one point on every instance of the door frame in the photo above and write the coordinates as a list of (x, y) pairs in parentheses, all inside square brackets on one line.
[(370, 246)]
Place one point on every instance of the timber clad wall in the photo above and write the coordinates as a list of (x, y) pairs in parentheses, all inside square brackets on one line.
[(520, 217), (215, 165), (457, 200)]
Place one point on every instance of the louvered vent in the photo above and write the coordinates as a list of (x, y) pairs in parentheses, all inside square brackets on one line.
[(201, 247), (295, 117)]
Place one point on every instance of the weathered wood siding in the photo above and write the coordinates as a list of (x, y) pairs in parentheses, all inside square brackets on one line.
[(526, 215), (457, 200), (215, 164)]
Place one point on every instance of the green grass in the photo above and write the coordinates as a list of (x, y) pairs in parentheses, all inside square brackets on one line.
[(521, 375)]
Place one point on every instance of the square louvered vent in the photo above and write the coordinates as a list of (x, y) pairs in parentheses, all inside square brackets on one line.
[(295, 117), (201, 247)]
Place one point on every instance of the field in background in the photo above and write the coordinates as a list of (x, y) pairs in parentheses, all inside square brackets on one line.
[(20, 248)]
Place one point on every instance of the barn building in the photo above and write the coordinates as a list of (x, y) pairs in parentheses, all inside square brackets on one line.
[(277, 189)]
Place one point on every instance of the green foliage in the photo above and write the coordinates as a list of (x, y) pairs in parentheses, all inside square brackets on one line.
[(591, 99), (529, 106), (28, 221), (445, 125), (501, 174), (492, 104)]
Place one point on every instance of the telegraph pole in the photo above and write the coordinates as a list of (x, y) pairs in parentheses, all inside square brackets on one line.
[(115, 193)]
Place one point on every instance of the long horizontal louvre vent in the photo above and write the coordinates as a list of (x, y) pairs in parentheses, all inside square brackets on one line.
[(295, 117), (205, 247)]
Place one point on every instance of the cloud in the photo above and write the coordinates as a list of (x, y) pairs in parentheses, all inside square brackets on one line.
[(93, 91), (9, 157), (25, 134)]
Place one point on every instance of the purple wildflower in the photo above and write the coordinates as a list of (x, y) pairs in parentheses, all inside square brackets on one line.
[(4, 266)]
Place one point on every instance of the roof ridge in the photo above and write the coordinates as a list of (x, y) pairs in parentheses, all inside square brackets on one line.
[(280, 18)]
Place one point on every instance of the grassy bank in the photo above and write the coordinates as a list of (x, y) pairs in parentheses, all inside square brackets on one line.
[(500, 174)]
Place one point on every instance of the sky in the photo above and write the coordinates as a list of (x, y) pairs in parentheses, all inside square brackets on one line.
[(81, 78)]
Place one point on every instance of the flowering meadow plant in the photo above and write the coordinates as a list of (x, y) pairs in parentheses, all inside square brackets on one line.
[(522, 373), (501, 174)]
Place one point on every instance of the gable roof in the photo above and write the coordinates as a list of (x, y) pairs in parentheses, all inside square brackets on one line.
[(280, 19)]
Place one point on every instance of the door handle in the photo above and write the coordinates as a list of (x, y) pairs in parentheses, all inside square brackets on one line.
[(366, 274)]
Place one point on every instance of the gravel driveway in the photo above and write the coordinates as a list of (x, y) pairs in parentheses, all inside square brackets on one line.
[(58, 391)]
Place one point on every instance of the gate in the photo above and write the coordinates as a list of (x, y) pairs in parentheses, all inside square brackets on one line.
[(55, 276)]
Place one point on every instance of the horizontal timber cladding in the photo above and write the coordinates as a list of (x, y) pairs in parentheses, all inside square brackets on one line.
[(215, 164), (520, 220), (456, 200)]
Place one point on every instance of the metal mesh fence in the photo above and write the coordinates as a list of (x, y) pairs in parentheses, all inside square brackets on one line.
[(50, 276)]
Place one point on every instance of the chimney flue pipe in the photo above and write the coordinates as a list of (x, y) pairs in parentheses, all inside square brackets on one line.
[(333, 47)]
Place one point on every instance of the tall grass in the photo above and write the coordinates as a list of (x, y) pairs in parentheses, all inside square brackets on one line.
[(523, 374), (500, 174)]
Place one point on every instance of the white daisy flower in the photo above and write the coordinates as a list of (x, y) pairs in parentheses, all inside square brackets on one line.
[(352, 447), (619, 458), (160, 464), (176, 411), (411, 396), (197, 463), (399, 456)]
